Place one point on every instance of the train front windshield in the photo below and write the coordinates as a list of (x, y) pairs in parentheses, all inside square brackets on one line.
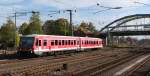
[(26, 42)]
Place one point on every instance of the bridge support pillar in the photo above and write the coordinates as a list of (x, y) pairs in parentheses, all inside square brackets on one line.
[(109, 40)]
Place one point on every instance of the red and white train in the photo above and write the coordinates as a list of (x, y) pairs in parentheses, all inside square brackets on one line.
[(39, 44)]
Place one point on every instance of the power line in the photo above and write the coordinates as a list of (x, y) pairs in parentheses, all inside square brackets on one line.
[(142, 3), (107, 8), (53, 13)]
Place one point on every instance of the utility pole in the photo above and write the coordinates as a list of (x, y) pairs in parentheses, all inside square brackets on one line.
[(71, 26), (15, 15)]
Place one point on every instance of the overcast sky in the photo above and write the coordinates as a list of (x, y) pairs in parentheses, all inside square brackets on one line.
[(85, 9)]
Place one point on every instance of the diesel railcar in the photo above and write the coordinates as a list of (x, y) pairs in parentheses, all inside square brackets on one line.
[(39, 44)]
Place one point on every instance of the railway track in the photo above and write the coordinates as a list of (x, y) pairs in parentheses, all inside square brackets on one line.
[(49, 65), (140, 69), (41, 62), (98, 69), (64, 65)]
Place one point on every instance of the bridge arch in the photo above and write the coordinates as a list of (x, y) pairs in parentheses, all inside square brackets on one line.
[(123, 20)]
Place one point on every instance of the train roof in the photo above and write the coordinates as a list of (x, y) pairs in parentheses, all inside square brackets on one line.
[(33, 35)]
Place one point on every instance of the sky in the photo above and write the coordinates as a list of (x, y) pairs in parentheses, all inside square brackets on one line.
[(85, 10)]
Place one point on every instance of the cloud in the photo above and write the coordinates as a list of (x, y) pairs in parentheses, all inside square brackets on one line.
[(63, 4), (10, 2)]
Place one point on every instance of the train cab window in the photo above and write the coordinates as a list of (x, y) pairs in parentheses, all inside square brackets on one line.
[(44, 42), (52, 42), (56, 42)]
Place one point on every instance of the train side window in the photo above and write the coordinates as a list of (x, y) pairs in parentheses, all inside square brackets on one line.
[(56, 42), (82, 42), (44, 42), (63, 42), (78, 43), (86, 42), (59, 42), (68, 42), (74, 42), (52, 42)]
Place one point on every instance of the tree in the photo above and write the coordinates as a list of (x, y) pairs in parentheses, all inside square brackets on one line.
[(91, 27), (22, 28), (63, 26), (56, 27), (86, 29), (7, 32), (34, 25), (17, 39)]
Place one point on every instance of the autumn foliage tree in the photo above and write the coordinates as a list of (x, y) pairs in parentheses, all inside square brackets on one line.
[(86, 29)]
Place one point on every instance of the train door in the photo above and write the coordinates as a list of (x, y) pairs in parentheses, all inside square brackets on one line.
[(79, 44), (38, 45), (45, 45)]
